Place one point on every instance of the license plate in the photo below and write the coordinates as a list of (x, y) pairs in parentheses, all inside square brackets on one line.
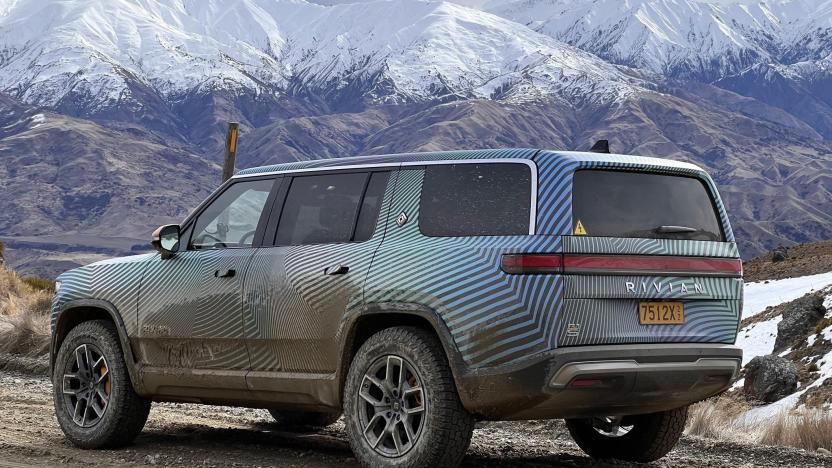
[(661, 313)]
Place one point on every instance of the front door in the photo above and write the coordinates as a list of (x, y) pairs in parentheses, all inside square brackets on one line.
[(298, 291), (190, 306)]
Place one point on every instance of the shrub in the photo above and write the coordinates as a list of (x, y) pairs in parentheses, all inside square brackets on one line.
[(24, 315), (823, 324), (25, 334), (715, 418), (40, 284)]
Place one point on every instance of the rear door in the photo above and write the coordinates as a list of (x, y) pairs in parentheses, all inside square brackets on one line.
[(312, 272), (648, 261)]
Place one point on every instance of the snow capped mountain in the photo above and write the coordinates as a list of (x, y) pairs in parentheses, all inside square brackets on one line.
[(110, 110), (689, 38), (107, 51)]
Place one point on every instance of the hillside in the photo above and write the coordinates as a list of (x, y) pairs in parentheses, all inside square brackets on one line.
[(800, 260), (112, 112)]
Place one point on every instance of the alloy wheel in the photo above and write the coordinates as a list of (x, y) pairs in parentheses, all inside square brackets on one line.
[(391, 406), (86, 385), (611, 426)]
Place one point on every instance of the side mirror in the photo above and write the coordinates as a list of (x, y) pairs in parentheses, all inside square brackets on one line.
[(166, 240)]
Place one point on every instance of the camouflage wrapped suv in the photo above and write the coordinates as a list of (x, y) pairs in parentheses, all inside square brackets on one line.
[(416, 294)]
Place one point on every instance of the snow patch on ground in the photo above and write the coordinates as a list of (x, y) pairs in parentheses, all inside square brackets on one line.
[(788, 403), (37, 120), (760, 295), (758, 338), (773, 409)]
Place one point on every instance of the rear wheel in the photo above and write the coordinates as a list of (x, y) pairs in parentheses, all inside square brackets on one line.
[(401, 407), (303, 418), (95, 402), (640, 438)]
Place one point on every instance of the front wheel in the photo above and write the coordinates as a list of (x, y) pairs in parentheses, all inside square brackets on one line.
[(95, 402), (401, 407), (641, 438)]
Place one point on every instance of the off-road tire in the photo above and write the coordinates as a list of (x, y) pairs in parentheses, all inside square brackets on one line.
[(126, 412), (303, 418), (447, 428), (652, 436)]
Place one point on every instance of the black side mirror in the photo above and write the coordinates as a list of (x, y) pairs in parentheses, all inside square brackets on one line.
[(166, 240)]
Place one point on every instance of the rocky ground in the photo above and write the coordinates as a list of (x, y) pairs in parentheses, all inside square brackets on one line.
[(195, 435), (790, 262)]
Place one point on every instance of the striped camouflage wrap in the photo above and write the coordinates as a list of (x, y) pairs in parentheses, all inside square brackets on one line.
[(494, 318)]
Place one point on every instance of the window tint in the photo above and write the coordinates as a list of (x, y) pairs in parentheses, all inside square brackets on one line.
[(475, 200), (637, 204), (321, 209), (231, 220), (368, 216)]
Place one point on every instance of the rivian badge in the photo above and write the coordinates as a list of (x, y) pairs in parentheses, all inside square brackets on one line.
[(402, 219)]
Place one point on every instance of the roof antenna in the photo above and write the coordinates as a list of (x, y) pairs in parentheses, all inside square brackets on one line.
[(601, 146)]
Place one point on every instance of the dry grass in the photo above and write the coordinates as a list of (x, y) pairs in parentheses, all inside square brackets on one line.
[(808, 429), (24, 315), (715, 418), (721, 418)]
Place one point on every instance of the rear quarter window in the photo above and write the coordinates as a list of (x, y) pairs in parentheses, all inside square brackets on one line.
[(491, 199), (644, 205)]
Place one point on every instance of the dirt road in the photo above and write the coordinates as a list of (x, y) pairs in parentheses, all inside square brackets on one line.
[(194, 435)]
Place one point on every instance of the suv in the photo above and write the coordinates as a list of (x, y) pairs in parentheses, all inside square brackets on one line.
[(416, 294)]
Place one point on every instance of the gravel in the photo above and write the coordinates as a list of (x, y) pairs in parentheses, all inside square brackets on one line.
[(206, 436)]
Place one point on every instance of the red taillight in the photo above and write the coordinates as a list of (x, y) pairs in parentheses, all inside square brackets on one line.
[(586, 383), (628, 264), (620, 265), (532, 263)]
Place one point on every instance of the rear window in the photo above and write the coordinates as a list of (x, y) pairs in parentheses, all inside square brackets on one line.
[(636, 204), (492, 199)]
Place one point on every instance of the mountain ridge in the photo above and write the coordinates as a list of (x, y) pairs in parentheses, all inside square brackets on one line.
[(132, 99)]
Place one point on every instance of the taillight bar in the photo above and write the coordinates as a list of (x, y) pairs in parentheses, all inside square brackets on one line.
[(620, 265), (519, 264)]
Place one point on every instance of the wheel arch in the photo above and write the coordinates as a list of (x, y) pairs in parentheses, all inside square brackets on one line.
[(379, 316), (76, 312)]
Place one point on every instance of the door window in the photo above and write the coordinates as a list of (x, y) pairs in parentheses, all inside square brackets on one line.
[(321, 209), (231, 219), (370, 206)]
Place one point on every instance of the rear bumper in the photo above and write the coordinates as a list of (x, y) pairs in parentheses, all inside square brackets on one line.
[(602, 381)]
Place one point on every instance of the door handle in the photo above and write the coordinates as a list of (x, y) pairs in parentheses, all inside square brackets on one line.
[(336, 270), (229, 273)]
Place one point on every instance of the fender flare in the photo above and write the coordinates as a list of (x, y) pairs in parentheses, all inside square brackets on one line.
[(118, 321), (458, 366)]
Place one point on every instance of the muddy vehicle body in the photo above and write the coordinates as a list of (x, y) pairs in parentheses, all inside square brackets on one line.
[(415, 294)]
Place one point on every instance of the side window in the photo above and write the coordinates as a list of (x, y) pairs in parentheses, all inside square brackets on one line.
[(475, 200), (368, 216), (231, 220), (321, 209)]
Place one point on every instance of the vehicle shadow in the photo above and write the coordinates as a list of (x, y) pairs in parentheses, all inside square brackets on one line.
[(265, 442)]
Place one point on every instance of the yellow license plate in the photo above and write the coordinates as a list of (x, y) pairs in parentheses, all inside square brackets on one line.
[(661, 313)]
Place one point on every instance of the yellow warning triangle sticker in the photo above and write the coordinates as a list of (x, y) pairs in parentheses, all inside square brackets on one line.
[(579, 229)]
